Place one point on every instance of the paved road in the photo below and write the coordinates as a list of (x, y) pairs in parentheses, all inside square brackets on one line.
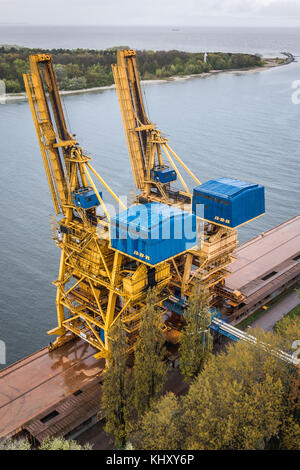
[(268, 320)]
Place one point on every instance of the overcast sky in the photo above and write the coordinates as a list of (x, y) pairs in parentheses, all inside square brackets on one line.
[(152, 12)]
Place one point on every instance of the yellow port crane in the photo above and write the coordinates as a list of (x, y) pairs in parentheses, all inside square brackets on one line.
[(209, 261), (109, 261), (96, 284)]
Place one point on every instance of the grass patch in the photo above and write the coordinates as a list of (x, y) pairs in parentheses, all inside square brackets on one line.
[(259, 313), (292, 315), (249, 320)]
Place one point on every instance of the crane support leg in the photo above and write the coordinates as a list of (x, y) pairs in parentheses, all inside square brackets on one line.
[(112, 297)]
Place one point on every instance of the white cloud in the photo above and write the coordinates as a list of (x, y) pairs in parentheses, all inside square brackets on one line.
[(158, 12)]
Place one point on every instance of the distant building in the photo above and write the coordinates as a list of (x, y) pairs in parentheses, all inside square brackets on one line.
[(205, 57)]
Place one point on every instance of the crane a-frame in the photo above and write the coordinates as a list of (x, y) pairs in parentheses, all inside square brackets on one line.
[(99, 282)]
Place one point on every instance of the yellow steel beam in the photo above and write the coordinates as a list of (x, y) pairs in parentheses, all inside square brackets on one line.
[(60, 309), (129, 121), (121, 311), (95, 334), (106, 186), (183, 164), (96, 192), (104, 262), (176, 269), (176, 169), (97, 301), (187, 271), (73, 287), (112, 296), (55, 194)]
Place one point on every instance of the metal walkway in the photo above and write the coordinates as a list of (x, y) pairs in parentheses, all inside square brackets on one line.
[(236, 335)]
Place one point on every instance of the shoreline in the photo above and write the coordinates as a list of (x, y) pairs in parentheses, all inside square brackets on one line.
[(268, 64)]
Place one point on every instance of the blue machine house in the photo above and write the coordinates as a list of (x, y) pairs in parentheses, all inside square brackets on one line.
[(163, 174), (153, 232), (85, 198), (229, 201)]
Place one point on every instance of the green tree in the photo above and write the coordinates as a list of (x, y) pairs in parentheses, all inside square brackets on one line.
[(4, 70), (238, 401), (61, 74), (159, 428), (150, 369), (148, 76), (13, 86), (10, 444), (59, 443), (245, 398), (220, 64), (73, 70), (54, 443), (172, 69), (76, 83), (290, 429), (21, 66), (289, 326), (83, 68), (290, 434), (117, 392), (195, 340)]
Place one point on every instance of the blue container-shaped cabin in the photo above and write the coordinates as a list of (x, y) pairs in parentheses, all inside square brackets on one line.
[(153, 232), (85, 198), (163, 175), (229, 202)]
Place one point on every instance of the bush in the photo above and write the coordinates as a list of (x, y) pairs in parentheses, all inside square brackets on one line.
[(13, 86), (83, 68)]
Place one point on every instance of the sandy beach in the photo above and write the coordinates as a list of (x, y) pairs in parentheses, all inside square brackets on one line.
[(268, 64)]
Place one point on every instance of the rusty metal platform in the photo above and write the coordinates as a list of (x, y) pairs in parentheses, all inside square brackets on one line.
[(262, 259), (266, 266), (33, 386), (50, 393)]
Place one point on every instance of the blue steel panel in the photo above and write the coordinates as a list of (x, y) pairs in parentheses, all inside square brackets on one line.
[(177, 307), (229, 202), (153, 232), (102, 335), (222, 332)]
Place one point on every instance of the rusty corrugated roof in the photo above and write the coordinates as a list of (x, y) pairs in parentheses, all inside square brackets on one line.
[(271, 251), (40, 381)]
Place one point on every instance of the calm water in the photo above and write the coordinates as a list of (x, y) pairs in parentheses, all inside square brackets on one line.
[(241, 125), (267, 41)]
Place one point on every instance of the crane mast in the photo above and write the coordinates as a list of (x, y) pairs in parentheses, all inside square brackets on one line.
[(146, 145), (45, 131)]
